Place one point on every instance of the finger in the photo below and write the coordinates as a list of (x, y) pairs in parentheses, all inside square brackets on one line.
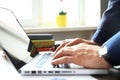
[(62, 45), (61, 60), (69, 43), (79, 40), (74, 42), (65, 51)]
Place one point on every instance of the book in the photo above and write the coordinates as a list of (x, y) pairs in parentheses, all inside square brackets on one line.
[(43, 43), (32, 49), (36, 46), (40, 36), (46, 49)]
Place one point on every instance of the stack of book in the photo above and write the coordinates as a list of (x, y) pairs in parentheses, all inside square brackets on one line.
[(43, 42)]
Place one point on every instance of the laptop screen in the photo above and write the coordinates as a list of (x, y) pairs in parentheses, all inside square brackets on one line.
[(12, 36)]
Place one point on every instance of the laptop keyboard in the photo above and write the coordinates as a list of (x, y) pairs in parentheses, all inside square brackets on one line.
[(45, 60)]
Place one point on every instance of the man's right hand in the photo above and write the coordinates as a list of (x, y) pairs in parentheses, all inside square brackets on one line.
[(72, 42)]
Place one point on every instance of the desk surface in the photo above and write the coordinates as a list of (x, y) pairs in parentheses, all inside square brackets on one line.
[(7, 71)]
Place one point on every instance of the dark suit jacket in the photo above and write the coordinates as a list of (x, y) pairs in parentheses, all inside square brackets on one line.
[(108, 31)]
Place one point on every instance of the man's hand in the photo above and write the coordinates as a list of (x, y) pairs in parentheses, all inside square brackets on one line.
[(74, 42), (82, 54)]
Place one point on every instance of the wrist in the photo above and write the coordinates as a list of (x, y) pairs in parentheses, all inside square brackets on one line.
[(103, 53)]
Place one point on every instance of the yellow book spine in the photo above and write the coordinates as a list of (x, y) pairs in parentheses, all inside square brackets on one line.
[(43, 43)]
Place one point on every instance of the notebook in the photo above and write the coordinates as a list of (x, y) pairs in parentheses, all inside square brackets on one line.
[(15, 42)]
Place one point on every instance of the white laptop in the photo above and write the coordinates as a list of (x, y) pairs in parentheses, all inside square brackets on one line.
[(15, 42)]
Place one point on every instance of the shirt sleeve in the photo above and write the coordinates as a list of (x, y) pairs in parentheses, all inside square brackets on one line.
[(113, 50), (110, 23)]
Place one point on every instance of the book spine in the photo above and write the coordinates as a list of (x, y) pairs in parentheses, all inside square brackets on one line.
[(43, 43), (46, 49), (40, 36)]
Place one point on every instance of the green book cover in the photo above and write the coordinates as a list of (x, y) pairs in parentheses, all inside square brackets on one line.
[(43, 43)]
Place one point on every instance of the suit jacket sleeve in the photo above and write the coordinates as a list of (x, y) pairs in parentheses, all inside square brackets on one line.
[(113, 50), (110, 23)]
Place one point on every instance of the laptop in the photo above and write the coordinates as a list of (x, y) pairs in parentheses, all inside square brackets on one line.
[(15, 43)]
